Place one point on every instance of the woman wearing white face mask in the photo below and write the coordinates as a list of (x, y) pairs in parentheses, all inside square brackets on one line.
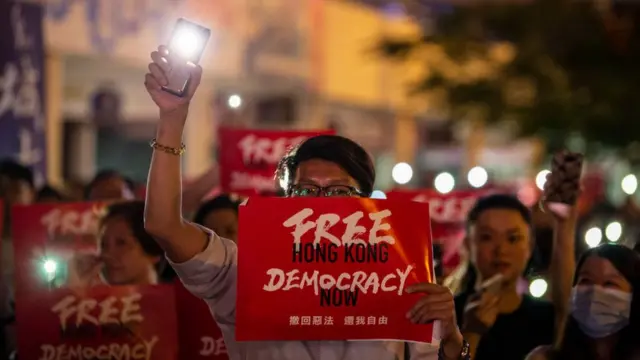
[(605, 309)]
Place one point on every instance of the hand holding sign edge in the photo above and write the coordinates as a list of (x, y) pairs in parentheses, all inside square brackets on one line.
[(437, 304)]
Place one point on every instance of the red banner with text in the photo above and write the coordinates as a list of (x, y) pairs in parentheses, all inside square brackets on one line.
[(249, 158), (83, 286), (336, 269), (199, 335), (448, 213)]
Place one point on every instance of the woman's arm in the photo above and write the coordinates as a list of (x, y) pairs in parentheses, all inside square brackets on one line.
[(163, 212), (561, 269)]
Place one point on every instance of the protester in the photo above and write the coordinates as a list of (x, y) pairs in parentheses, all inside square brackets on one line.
[(219, 214), (17, 187), (605, 317), (499, 321), (128, 255), (110, 185), (206, 263)]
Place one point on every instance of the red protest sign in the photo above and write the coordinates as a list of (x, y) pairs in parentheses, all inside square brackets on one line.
[(331, 269), (444, 208), (103, 322), (448, 216), (53, 243), (199, 335), (249, 158), (50, 232)]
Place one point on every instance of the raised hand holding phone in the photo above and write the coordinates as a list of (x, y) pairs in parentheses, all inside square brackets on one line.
[(174, 73), (562, 188)]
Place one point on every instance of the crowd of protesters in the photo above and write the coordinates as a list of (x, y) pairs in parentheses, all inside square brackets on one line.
[(591, 313)]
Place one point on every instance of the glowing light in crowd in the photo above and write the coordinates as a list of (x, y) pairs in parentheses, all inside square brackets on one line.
[(50, 266), (593, 237), (377, 194), (234, 101), (444, 182), (402, 173), (477, 177), (187, 42), (541, 178), (538, 287), (613, 231), (629, 184)]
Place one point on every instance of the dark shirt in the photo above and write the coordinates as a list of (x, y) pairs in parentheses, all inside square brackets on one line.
[(514, 335)]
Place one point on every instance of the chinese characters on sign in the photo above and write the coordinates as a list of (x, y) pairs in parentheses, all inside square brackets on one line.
[(22, 134), (328, 320)]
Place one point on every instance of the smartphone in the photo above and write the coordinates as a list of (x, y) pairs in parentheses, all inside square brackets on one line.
[(187, 44), (563, 186)]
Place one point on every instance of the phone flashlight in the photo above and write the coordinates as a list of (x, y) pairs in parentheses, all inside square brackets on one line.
[(185, 50)]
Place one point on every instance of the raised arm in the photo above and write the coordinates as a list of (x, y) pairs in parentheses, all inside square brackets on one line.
[(205, 262), (180, 239), (562, 268)]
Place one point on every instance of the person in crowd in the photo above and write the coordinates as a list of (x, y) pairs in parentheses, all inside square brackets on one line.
[(491, 309), (110, 185), (128, 255), (605, 309), (206, 263), (17, 187), (219, 214), (48, 194)]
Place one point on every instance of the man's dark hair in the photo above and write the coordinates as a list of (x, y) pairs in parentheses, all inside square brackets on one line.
[(337, 149), (15, 171), (106, 175), (217, 203), (501, 202)]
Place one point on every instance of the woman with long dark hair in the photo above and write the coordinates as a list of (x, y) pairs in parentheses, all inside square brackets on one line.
[(605, 308)]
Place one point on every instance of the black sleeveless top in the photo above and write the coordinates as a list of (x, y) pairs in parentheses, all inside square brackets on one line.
[(514, 335)]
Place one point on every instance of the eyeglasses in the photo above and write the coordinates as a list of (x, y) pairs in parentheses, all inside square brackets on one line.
[(311, 190)]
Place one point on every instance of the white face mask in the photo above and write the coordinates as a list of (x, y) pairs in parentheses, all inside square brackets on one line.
[(599, 311)]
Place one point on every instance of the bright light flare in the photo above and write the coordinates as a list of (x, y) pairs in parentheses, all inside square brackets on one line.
[(593, 237), (402, 173), (444, 183), (541, 178), (50, 267), (187, 43), (538, 288), (629, 184), (613, 231), (477, 177)]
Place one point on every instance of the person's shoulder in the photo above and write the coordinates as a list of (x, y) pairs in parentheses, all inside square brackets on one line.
[(539, 353)]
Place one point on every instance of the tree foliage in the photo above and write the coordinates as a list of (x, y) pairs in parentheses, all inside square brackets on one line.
[(582, 62)]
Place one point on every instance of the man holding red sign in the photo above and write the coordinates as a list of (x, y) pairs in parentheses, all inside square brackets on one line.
[(322, 166)]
